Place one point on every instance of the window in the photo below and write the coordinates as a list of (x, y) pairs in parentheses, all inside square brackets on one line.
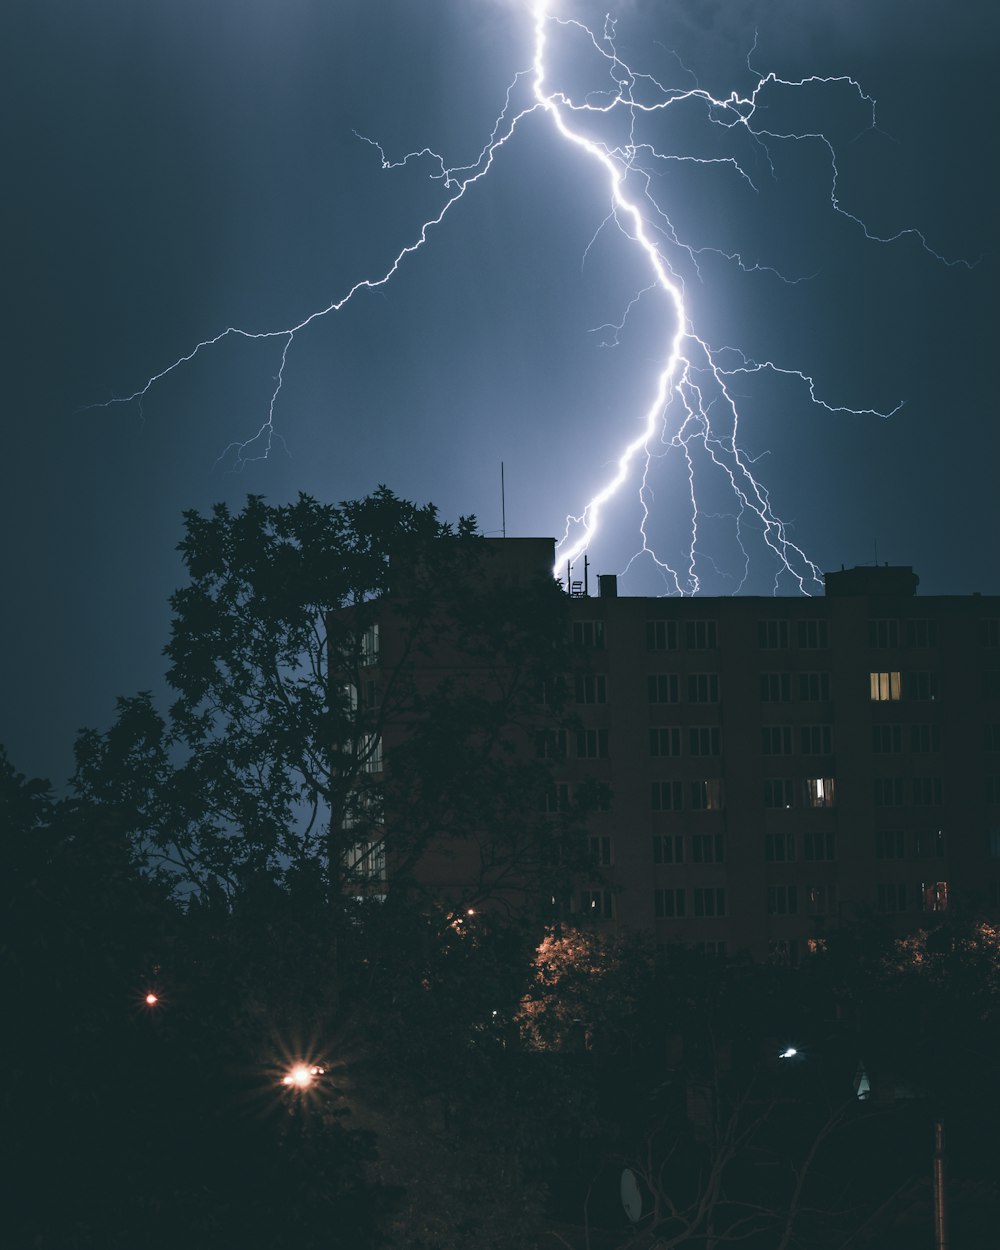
[(814, 687), (885, 687), (991, 737), (370, 646), (890, 897), (782, 900), (784, 951), (921, 633), (927, 791), (591, 688), (700, 635), (779, 848), (883, 634), (668, 848), (592, 744), (776, 740), (661, 635), (889, 844), (928, 844), (775, 687), (887, 739), (925, 738), (778, 792), (818, 791), (665, 740), (662, 688), (665, 796), (716, 949), (703, 688), (370, 753), (821, 900), (921, 687), (813, 635), (887, 791), (818, 847), (989, 633), (600, 850), (668, 904), (557, 798), (365, 862), (705, 740), (816, 946), (816, 739), (706, 796), (589, 634), (550, 744), (709, 901), (772, 635), (598, 904), (707, 848), (934, 895)]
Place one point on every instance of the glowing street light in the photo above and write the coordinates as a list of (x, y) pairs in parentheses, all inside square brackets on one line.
[(151, 999), (789, 1053), (302, 1075)]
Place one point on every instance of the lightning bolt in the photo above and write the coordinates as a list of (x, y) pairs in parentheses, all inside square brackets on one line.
[(691, 410)]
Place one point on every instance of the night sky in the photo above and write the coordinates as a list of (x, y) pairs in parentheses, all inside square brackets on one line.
[(176, 168)]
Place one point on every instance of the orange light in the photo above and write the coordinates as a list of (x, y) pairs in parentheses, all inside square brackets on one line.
[(151, 1000)]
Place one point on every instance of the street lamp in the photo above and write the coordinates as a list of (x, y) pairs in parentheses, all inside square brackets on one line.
[(302, 1075)]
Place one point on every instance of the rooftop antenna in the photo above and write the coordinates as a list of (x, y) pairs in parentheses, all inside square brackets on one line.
[(503, 504)]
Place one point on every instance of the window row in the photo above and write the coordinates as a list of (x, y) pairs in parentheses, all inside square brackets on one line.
[(893, 791), (889, 739), (892, 897), (888, 633), (888, 687), (799, 792), (711, 902)]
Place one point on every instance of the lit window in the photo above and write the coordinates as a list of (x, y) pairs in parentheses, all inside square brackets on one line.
[(779, 848), (591, 688), (812, 635), (779, 792), (700, 635), (597, 904), (665, 740), (814, 687), (703, 688), (775, 687), (668, 904), (818, 847), (370, 646), (776, 740), (668, 848), (707, 848), (772, 635), (589, 634), (661, 635), (706, 796), (600, 850), (365, 862), (592, 744), (934, 895), (705, 740), (662, 687), (889, 844), (665, 796), (887, 791), (782, 900), (709, 901), (885, 687), (370, 753), (882, 634), (819, 791)]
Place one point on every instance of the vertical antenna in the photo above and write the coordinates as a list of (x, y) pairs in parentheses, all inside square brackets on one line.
[(503, 504)]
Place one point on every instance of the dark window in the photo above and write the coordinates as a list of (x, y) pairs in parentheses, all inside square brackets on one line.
[(928, 844), (668, 848), (920, 687), (557, 798), (883, 634), (775, 687), (703, 688), (705, 740), (816, 739), (921, 633), (665, 796), (887, 739), (665, 740), (550, 744), (589, 634), (600, 850), (891, 897), (813, 635), (779, 792), (818, 847), (591, 688), (889, 844), (661, 635), (779, 848), (927, 791), (662, 687), (700, 635), (814, 687), (668, 904), (707, 848), (782, 900), (887, 791), (706, 796), (592, 744), (772, 635), (598, 904), (776, 739), (709, 902), (821, 900)]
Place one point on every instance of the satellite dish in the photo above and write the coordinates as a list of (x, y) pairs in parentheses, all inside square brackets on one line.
[(631, 1195)]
